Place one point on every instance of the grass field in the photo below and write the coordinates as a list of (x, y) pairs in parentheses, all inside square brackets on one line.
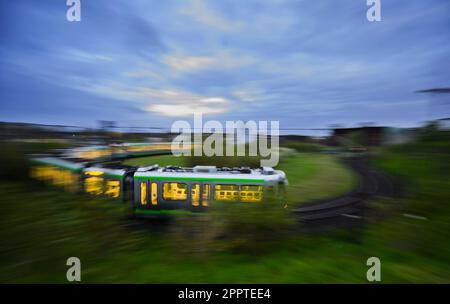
[(162, 160), (316, 176), (41, 227)]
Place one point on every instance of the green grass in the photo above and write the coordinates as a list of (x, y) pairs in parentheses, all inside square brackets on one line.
[(35, 246), (162, 160), (40, 227), (427, 181), (304, 147), (316, 176)]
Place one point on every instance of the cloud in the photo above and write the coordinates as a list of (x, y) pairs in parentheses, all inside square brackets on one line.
[(179, 104), (188, 63), (221, 60), (207, 16), (184, 110), (249, 95), (302, 62), (165, 102), (143, 73), (80, 55)]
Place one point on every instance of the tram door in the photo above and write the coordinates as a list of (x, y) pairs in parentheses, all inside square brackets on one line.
[(200, 194), (195, 194), (153, 185), (205, 194), (148, 193)]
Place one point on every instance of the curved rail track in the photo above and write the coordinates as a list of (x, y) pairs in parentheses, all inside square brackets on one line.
[(352, 206), (371, 184), (347, 211)]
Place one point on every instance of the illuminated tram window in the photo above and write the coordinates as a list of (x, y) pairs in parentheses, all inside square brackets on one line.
[(174, 191), (143, 193), (57, 177), (251, 194), (154, 193), (94, 185), (195, 193), (94, 173), (40, 172), (226, 192), (113, 188), (205, 195)]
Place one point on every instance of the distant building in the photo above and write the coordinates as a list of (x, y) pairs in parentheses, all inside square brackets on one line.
[(396, 136), (364, 136)]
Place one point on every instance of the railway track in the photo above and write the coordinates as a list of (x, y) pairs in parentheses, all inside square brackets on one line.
[(352, 206), (347, 211)]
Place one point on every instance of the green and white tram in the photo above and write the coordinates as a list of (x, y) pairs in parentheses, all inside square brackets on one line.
[(169, 188)]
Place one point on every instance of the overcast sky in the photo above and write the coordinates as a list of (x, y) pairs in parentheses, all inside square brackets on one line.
[(305, 63)]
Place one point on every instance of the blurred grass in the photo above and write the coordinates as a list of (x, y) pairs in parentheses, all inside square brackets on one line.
[(315, 176), (37, 241), (304, 147), (162, 160), (40, 227), (426, 173)]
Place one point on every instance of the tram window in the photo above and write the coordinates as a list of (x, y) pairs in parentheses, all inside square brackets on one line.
[(143, 193), (226, 192), (113, 188), (205, 195), (94, 185), (195, 194), (66, 178), (57, 177), (43, 173), (251, 193), (154, 193), (174, 191)]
